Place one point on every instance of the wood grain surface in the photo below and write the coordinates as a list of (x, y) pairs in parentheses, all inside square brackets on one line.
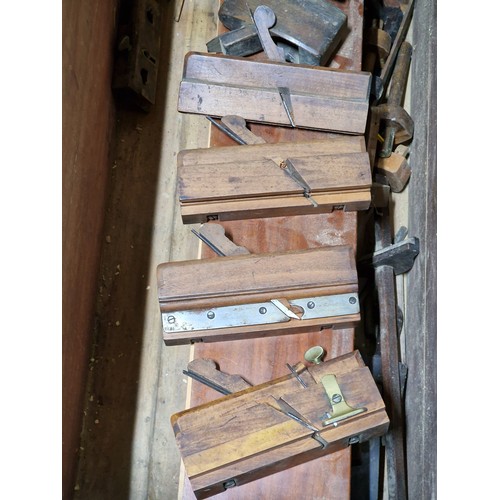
[(251, 279), (421, 319), (245, 435), (87, 130), (233, 187), (321, 98), (261, 360)]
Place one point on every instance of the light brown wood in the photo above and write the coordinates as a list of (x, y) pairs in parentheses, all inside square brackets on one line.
[(245, 436), (277, 206), (238, 125), (261, 152), (396, 169), (322, 98), (249, 188), (207, 369), (249, 179), (199, 285), (216, 235)]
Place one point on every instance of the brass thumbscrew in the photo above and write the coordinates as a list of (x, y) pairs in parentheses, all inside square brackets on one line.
[(314, 354)]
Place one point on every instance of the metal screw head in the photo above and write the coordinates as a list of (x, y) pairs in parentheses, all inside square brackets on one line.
[(229, 484), (262, 310), (210, 315), (171, 319), (311, 304), (336, 398), (352, 300)]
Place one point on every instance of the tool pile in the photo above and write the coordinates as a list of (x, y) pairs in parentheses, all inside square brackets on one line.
[(272, 66)]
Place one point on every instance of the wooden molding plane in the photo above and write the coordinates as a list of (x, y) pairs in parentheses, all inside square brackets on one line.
[(319, 98), (248, 182), (248, 296), (271, 427), (312, 40)]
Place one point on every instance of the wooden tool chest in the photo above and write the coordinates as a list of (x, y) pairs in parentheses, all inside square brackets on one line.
[(152, 177)]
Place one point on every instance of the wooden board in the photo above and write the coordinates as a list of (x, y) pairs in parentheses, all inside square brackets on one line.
[(244, 436), (87, 124), (421, 311), (321, 98), (330, 473), (231, 187), (198, 287)]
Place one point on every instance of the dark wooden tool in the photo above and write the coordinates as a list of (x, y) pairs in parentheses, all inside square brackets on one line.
[(390, 357), (386, 73), (248, 296), (321, 98), (399, 256), (279, 424), (399, 125), (246, 182), (308, 31), (138, 53)]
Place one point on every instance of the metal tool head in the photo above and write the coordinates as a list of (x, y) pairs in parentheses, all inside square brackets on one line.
[(228, 131), (286, 99), (290, 169), (296, 375), (285, 310), (291, 411)]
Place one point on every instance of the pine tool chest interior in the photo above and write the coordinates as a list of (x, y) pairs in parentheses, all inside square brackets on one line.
[(255, 298)]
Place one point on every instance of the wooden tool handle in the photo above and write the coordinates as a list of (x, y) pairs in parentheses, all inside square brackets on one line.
[(264, 18), (216, 234), (207, 369), (238, 125)]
